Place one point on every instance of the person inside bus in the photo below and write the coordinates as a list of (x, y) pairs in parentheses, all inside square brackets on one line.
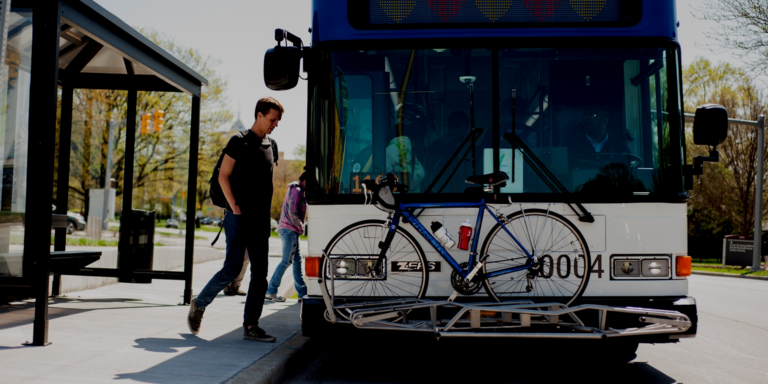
[(402, 151), (594, 136)]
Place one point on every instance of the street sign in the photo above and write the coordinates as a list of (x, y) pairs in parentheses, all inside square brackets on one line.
[(737, 250)]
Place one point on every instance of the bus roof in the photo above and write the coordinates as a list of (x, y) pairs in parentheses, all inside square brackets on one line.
[(331, 22)]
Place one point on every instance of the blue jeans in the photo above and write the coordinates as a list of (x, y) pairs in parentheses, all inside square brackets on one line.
[(242, 232), (291, 254)]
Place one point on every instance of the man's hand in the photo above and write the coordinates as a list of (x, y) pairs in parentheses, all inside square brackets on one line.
[(235, 209)]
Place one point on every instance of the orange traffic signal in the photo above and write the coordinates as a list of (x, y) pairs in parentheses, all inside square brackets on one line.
[(159, 120), (145, 123)]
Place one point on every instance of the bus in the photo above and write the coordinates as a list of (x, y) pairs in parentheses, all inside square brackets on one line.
[(578, 101)]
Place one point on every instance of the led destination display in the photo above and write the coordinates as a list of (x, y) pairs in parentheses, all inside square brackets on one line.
[(493, 13)]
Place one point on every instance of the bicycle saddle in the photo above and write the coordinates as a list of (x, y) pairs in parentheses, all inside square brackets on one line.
[(489, 179)]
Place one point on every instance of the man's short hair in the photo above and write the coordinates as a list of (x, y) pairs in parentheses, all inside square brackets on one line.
[(265, 104)]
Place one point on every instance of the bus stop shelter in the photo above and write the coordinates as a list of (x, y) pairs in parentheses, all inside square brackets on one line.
[(77, 44)]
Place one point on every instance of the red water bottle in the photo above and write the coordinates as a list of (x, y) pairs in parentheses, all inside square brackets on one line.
[(465, 234)]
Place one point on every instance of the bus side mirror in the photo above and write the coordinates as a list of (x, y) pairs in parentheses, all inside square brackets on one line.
[(281, 63), (710, 125), (281, 67)]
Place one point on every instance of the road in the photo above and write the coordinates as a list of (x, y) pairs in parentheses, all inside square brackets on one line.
[(731, 347)]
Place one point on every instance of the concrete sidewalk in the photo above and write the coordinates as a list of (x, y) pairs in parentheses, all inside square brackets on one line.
[(138, 333)]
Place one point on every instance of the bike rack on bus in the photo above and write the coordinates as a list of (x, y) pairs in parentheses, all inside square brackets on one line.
[(514, 319)]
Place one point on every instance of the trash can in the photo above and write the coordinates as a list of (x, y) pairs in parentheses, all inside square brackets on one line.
[(136, 247)]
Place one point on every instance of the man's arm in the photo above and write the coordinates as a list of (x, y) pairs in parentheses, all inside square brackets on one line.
[(227, 165)]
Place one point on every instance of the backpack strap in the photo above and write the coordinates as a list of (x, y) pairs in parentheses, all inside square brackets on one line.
[(220, 229), (275, 153)]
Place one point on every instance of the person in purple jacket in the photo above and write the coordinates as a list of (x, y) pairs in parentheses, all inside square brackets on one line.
[(291, 226)]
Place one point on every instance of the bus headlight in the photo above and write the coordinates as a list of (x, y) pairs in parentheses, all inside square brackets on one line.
[(341, 267), (638, 267), (626, 267), (656, 268)]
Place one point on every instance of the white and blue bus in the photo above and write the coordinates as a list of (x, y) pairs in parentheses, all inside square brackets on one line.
[(579, 101)]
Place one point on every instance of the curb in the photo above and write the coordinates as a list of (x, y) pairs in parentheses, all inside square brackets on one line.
[(729, 275), (273, 367)]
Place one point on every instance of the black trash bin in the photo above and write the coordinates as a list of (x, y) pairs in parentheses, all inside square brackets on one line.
[(136, 247)]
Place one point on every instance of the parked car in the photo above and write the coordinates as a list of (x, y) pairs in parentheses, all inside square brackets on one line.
[(75, 221), (171, 223), (206, 221), (273, 225)]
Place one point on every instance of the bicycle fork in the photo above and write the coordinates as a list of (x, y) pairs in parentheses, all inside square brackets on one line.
[(392, 224)]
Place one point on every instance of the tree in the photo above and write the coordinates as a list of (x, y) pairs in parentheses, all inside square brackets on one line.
[(742, 26), (726, 201), (161, 158)]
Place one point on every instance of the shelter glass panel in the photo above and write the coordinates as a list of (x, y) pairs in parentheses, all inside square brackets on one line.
[(95, 171), (14, 135), (161, 162)]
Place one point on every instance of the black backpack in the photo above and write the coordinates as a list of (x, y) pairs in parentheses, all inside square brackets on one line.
[(217, 195)]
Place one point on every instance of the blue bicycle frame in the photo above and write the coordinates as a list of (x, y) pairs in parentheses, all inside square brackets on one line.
[(403, 210)]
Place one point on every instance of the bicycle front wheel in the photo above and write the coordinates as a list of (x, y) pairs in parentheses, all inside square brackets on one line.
[(350, 260), (555, 244)]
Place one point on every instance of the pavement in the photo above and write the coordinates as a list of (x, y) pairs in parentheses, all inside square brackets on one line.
[(138, 333)]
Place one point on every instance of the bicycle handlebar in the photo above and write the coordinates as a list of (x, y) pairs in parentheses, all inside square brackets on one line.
[(384, 200)]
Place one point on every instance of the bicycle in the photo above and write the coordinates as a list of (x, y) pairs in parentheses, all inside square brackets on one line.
[(379, 259)]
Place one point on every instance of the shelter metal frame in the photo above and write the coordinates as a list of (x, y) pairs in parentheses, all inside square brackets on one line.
[(66, 36)]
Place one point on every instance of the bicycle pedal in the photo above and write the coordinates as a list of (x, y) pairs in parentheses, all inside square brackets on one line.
[(453, 296)]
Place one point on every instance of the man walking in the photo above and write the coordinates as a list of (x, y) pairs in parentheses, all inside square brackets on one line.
[(290, 228), (245, 177)]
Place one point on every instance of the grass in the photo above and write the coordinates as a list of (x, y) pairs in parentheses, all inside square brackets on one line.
[(731, 270), (82, 241), (708, 261), (208, 228)]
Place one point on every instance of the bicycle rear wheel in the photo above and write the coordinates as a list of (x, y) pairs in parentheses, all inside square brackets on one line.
[(351, 254), (553, 241)]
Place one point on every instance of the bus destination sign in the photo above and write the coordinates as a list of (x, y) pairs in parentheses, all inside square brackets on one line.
[(386, 14)]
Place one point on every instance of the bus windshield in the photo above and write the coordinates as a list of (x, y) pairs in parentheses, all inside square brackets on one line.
[(584, 122)]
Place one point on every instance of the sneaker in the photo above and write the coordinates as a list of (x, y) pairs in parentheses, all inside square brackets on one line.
[(194, 318), (234, 291), (257, 334), (273, 297)]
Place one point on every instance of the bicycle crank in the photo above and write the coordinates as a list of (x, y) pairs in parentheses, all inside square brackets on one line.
[(462, 286)]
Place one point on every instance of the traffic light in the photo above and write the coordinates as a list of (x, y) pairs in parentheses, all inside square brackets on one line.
[(159, 119), (145, 123)]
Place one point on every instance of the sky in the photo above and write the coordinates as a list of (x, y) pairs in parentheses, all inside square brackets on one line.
[(238, 32)]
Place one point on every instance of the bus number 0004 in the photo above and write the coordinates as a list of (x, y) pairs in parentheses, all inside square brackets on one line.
[(562, 266)]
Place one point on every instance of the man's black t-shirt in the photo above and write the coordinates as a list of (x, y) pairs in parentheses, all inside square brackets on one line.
[(251, 177)]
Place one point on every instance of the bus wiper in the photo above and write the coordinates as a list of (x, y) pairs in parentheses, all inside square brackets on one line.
[(472, 137), (546, 175)]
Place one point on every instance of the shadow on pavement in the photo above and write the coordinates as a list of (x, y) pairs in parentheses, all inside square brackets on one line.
[(394, 358), (23, 314), (215, 360)]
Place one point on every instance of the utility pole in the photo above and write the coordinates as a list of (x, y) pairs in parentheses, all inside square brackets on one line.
[(108, 178)]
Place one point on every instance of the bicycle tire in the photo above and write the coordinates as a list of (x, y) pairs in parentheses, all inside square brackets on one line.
[(558, 246), (403, 278)]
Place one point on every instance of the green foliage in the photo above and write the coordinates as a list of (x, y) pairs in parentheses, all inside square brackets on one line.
[(161, 158), (726, 202), (734, 271), (82, 241)]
